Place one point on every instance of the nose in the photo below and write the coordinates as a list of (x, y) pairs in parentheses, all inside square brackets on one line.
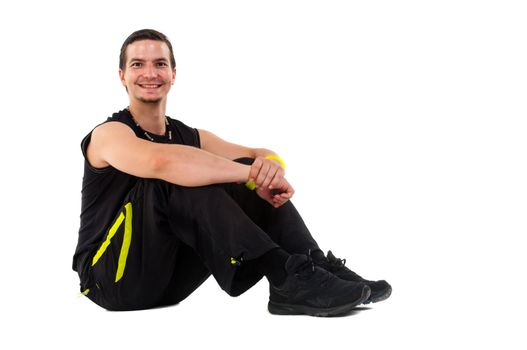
[(149, 71)]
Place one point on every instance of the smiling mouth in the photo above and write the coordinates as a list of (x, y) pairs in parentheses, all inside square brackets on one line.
[(150, 86)]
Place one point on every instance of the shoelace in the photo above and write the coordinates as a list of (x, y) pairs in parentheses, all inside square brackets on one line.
[(334, 262), (338, 262), (307, 268), (312, 271)]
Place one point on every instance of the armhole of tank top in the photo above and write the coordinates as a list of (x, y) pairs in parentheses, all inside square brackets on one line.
[(84, 148), (86, 141), (177, 126), (198, 139)]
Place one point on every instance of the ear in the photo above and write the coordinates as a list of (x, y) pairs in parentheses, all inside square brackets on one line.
[(121, 76), (173, 75)]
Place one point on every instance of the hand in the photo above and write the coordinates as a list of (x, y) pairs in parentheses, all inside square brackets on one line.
[(277, 196), (266, 173)]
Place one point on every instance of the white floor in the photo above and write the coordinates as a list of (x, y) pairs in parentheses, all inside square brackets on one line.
[(444, 314)]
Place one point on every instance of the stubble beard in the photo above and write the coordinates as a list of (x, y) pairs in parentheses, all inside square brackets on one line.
[(147, 101)]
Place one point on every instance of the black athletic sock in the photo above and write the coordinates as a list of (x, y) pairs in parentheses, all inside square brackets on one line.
[(272, 265)]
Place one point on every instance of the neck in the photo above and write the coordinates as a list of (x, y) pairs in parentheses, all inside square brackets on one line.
[(151, 117)]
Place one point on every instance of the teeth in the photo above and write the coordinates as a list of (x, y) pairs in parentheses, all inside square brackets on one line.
[(150, 86)]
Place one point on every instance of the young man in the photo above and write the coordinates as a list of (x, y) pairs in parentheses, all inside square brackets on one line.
[(165, 205)]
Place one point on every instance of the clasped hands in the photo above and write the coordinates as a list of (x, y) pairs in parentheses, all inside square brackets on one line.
[(267, 174)]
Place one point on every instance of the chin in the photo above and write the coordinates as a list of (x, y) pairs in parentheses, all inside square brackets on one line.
[(150, 100)]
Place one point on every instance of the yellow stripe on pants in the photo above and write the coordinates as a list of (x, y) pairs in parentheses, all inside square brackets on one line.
[(126, 241)]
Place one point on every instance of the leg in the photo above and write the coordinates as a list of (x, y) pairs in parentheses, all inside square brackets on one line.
[(135, 263), (177, 236), (284, 225), (208, 220)]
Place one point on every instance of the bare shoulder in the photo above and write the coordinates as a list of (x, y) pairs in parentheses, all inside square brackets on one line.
[(110, 129), (203, 133), (104, 136)]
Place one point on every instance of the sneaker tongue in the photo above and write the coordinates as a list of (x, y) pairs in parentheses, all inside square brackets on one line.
[(331, 256), (295, 262)]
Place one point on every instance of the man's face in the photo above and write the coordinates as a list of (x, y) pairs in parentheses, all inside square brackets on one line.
[(147, 74)]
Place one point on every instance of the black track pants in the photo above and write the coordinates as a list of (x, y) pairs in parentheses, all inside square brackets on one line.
[(167, 239)]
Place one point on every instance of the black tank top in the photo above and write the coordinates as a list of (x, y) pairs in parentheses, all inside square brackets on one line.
[(104, 189)]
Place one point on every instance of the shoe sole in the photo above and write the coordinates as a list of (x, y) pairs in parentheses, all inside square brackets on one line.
[(291, 309), (381, 297)]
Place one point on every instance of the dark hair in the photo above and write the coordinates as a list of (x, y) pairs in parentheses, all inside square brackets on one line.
[(145, 34)]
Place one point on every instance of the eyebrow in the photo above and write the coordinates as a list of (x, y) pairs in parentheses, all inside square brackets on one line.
[(155, 60)]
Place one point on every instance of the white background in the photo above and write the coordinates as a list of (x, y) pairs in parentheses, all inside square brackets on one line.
[(403, 125)]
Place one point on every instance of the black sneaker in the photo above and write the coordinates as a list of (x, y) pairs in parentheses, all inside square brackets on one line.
[(380, 290), (310, 290)]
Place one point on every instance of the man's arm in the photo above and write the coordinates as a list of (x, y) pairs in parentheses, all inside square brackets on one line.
[(214, 144), (115, 144), (264, 172), (267, 174)]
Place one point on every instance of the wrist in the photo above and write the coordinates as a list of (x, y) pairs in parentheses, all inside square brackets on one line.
[(250, 185)]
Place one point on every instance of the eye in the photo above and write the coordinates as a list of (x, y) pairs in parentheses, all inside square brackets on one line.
[(162, 64), (135, 64)]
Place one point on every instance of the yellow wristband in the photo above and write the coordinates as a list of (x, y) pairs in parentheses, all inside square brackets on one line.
[(250, 185), (278, 159)]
